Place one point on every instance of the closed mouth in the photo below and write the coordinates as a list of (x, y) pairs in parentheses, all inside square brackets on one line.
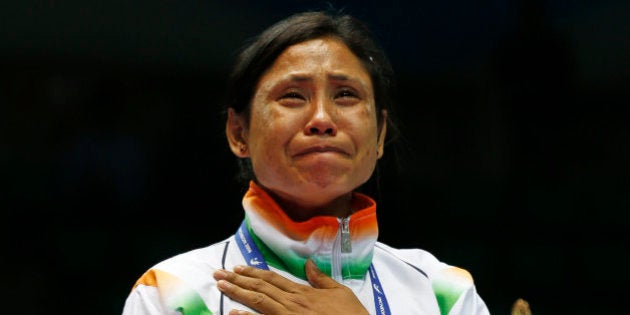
[(321, 149)]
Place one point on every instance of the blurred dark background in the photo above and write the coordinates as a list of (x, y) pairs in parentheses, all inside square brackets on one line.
[(515, 163)]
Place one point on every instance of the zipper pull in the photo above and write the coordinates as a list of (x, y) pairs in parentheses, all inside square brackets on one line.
[(346, 245)]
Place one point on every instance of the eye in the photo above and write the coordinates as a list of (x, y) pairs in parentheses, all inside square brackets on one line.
[(292, 95), (346, 93), (291, 99), (347, 96)]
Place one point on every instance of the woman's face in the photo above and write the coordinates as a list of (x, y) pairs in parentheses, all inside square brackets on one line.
[(312, 135)]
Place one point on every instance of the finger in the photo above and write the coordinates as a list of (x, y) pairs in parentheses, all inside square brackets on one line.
[(241, 312), (255, 300), (270, 277), (249, 282), (317, 278)]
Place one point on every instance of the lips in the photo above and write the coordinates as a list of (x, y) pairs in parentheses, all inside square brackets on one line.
[(321, 149)]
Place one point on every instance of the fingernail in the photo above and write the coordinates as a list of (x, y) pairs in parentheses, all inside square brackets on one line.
[(239, 268), (220, 274)]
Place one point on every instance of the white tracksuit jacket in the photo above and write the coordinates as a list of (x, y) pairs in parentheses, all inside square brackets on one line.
[(412, 281)]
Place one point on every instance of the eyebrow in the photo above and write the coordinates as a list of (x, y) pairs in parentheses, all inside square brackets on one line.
[(302, 77), (334, 77)]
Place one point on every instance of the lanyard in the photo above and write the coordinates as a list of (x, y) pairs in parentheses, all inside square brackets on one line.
[(254, 258), (250, 251)]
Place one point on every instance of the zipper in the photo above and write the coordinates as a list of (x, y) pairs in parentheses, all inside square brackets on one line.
[(342, 245), (346, 245)]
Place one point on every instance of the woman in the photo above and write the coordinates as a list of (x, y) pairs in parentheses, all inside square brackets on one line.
[(307, 116)]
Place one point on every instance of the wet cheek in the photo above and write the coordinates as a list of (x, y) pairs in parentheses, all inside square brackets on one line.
[(366, 165), (367, 149), (271, 147)]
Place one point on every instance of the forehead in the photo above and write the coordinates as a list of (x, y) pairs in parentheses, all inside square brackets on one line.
[(326, 54), (315, 46), (328, 51)]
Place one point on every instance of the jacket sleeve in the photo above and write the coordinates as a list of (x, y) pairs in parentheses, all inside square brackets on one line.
[(456, 293), (160, 293), (145, 300), (469, 303)]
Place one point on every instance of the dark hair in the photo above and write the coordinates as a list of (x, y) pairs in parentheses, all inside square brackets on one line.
[(261, 53)]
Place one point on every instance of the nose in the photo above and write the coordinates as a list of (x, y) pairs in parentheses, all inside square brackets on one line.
[(321, 121)]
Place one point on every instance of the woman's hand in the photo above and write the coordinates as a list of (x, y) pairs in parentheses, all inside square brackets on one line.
[(269, 293)]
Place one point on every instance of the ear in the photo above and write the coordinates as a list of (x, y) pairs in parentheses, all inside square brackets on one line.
[(380, 149), (236, 132)]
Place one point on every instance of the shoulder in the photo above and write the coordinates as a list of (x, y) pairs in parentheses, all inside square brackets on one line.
[(415, 257), (452, 286), (180, 282), (187, 266), (209, 256), (436, 270)]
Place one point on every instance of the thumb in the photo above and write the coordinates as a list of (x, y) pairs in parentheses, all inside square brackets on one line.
[(317, 278)]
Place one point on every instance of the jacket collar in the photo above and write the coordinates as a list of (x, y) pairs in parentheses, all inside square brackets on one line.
[(286, 244)]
